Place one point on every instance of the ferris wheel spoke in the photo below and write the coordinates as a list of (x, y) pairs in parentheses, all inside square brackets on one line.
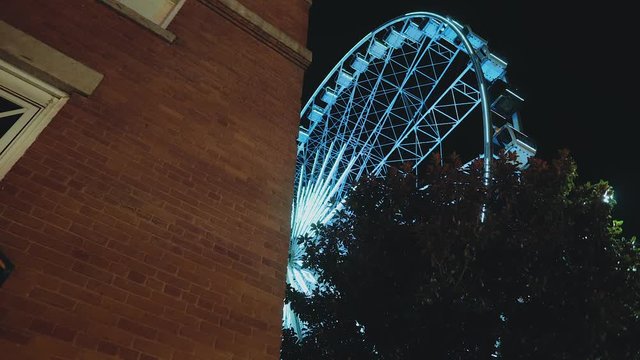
[(395, 97)]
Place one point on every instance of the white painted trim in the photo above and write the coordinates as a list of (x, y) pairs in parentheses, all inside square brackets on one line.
[(29, 82), (167, 20), (12, 112), (141, 20), (42, 102), (29, 112)]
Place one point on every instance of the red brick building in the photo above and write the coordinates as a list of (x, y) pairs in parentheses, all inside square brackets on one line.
[(147, 159)]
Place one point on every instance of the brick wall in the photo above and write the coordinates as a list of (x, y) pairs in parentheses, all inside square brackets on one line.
[(289, 16), (151, 219)]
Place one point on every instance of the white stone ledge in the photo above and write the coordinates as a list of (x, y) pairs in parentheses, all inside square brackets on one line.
[(46, 63)]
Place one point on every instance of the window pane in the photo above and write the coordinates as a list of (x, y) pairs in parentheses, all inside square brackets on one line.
[(6, 105), (7, 122)]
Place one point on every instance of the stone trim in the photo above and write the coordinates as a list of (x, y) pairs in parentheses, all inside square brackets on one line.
[(46, 63), (261, 30), (144, 22)]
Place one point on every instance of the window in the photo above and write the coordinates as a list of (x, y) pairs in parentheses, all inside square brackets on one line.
[(160, 12), (27, 105)]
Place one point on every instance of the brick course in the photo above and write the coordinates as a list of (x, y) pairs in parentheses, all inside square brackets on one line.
[(151, 219)]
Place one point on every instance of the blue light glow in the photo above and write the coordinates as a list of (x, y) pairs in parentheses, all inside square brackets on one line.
[(392, 99), (608, 196)]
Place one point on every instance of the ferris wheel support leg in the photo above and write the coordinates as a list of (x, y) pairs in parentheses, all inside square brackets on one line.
[(484, 98)]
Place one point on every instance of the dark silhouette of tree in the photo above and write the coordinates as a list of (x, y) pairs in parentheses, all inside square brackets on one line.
[(412, 272)]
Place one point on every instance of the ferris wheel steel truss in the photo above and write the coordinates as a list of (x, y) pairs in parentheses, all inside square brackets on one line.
[(393, 98)]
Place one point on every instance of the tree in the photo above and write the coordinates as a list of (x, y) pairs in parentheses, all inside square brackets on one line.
[(409, 270)]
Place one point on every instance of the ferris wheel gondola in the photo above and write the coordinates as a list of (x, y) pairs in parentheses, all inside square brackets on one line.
[(394, 98)]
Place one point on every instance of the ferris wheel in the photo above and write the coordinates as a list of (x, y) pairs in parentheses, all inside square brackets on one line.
[(392, 99)]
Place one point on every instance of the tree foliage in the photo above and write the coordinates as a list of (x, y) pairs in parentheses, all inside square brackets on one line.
[(408, 270)]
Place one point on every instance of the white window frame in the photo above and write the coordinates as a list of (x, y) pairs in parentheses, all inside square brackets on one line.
[(177, 5), (40, 102)]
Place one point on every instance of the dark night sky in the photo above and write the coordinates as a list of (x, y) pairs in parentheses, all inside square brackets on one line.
[(572, 66)]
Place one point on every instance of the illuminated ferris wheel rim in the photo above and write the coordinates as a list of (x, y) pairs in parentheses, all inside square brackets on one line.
[(408, 16), (473, 55), (350, 135)]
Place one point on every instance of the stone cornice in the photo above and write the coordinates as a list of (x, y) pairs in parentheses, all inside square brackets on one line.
[(261, 30)]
